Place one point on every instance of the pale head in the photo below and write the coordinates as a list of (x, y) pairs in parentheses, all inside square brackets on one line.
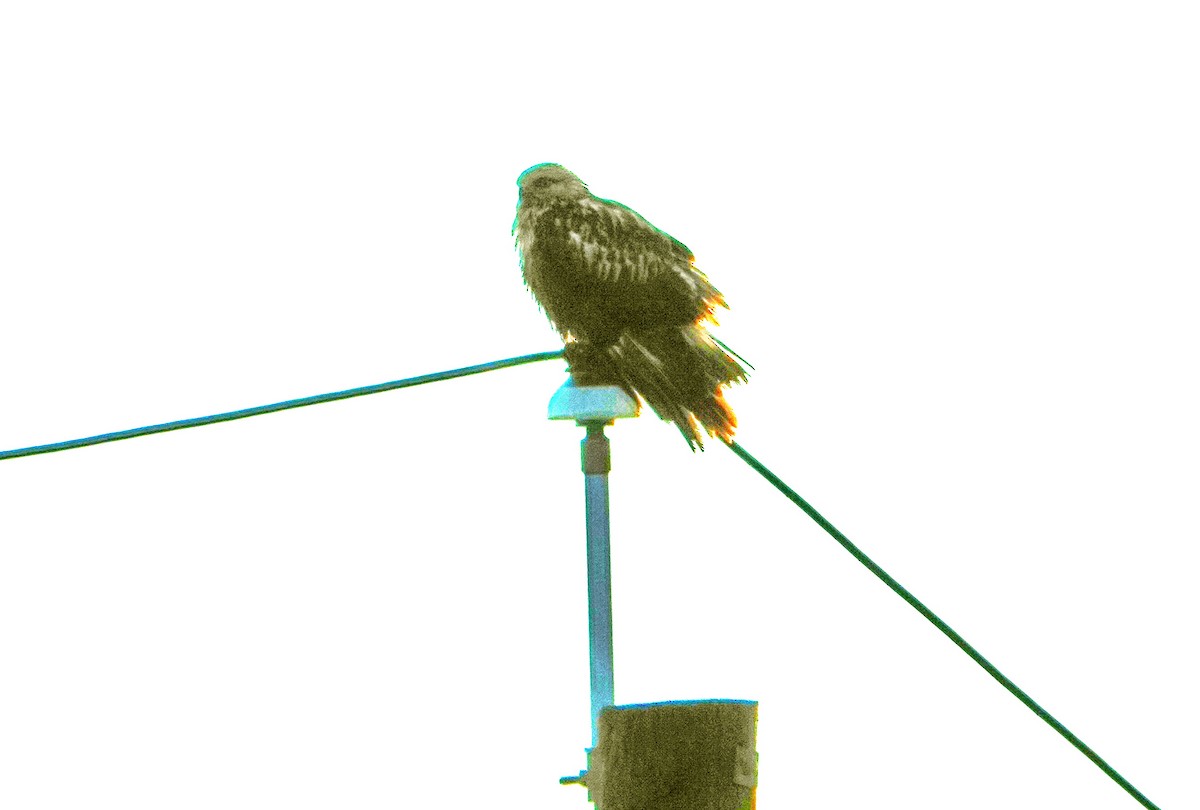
[(551, 180)]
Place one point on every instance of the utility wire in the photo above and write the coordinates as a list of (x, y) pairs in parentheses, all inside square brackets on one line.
[(874, 568), (741, 452), (279, 406)]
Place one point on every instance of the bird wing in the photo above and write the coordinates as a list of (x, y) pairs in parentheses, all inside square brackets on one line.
[(598, 267), (614, 243)]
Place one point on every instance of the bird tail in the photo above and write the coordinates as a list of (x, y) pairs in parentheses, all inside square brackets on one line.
[(680, 372)]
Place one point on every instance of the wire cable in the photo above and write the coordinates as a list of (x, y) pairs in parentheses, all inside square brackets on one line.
[(975, 655), (280, 406), (741, 452)]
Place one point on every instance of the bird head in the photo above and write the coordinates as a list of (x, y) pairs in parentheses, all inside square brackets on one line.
[(549, 180)]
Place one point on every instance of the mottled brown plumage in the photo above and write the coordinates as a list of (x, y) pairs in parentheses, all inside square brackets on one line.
[(627, 299)]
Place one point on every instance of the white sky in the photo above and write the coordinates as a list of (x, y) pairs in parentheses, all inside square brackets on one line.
[(961, 250)]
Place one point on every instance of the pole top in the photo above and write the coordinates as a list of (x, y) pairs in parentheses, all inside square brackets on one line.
[(591, 403)]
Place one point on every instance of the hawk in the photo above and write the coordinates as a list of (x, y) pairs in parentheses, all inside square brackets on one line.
[(627, 300)]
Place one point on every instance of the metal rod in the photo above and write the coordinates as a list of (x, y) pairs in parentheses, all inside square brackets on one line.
[(596, 464)]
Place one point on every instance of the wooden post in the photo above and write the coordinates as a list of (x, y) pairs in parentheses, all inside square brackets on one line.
[(681, 755)]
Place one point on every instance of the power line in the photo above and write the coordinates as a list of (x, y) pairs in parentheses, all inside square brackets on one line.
[(279, 406), (937, 622), (741, 452)]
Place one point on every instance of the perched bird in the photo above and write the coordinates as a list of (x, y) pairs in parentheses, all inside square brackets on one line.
[(627, 300)]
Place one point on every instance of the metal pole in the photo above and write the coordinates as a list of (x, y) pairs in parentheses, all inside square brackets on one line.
[(593, 407), (597, 460)]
